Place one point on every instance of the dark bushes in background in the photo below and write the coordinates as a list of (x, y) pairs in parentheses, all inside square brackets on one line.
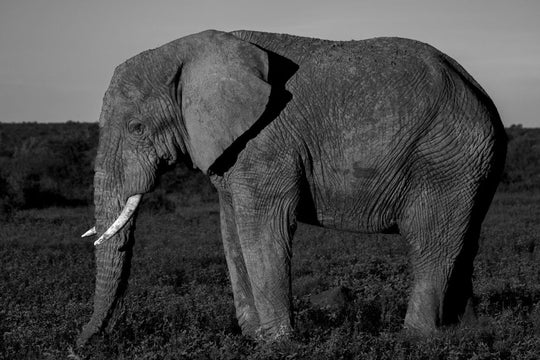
[(45, 165), (522, 172), (7, 200)]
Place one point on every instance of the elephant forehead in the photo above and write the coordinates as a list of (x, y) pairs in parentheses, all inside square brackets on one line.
[(126, 99), (116, 107), (131, 79)]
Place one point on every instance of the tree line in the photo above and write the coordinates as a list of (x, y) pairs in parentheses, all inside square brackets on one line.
[(44, 165)]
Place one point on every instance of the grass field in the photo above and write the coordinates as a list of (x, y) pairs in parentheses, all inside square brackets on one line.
[(179, 304)]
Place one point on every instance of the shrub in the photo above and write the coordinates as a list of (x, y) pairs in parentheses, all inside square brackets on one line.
[(7, 199)]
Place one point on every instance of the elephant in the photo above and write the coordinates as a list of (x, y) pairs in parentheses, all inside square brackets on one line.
[(382, 135)]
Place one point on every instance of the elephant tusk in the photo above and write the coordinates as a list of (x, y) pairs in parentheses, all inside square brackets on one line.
[(123, 218), (90, 232)]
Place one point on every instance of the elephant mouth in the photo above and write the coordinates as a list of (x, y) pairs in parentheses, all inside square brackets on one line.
[(127, 213)]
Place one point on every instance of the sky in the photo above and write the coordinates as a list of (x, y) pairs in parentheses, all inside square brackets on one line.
[(57, 56)]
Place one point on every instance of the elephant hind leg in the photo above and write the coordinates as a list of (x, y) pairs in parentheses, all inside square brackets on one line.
[(442, 228)]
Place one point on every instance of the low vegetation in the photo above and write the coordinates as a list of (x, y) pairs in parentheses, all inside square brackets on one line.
[(44, 165), (179, 304)]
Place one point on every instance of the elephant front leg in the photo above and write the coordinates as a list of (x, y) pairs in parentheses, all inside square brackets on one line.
[(246, 313), (265, 237)]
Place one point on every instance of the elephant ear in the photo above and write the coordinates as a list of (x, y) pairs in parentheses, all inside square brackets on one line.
[(224, 91)]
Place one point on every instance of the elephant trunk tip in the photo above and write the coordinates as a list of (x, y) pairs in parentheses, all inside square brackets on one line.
[(86, 334)]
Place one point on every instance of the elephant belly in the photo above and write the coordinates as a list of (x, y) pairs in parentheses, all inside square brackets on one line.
[(357, 199)]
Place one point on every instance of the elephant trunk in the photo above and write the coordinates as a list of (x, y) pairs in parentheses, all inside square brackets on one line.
[(113, 259)]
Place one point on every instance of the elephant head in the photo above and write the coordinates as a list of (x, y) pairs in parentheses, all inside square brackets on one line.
[(192, 97)]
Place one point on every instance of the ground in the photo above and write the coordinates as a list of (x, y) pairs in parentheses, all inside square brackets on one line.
[(179, 303)]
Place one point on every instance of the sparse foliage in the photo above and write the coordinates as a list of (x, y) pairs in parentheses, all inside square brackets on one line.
[(180, 304)]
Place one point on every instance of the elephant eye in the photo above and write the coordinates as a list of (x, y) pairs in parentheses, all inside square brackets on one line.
[(136, 128)]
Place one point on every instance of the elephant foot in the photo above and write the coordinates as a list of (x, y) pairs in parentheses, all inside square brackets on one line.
[(469, 315), (425, 316), (259, 333), (250, 330), (249, 323), (418, 330), (423, 312), (272, 334)]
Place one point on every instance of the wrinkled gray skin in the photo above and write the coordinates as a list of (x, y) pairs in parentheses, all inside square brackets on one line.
[(380, 135)]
